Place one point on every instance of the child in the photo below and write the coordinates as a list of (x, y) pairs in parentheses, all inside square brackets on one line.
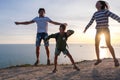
[(101, 16), (61, 44), (42, 32)]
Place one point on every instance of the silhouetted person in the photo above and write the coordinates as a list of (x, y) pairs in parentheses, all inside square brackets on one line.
[(101, 17), (61, 43)]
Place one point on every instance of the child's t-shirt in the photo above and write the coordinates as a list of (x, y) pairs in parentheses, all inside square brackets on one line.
[(61, 40), (42, 24)]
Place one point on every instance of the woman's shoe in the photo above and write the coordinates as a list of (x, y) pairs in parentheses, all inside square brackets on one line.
[(116, 63), (97, 62)]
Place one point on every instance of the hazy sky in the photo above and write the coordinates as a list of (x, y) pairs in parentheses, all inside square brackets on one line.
[(76, 13)]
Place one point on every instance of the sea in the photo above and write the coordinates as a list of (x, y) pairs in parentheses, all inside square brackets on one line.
[(19, 54)]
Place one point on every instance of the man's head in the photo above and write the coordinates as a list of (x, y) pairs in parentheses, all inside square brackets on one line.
[(41, 11)]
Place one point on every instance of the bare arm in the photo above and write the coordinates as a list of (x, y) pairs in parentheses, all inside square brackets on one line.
[(57, 23), (50, 36), (69, 32), (24, 23)]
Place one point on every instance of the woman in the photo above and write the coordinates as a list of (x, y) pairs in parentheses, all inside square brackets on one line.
[(101, 16)]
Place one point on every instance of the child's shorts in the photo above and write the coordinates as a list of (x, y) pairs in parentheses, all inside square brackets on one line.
[(40, 37), (57, 52)]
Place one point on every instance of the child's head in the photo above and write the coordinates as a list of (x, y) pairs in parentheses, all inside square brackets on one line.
[(41, 11), (101, 5), (62, 28)]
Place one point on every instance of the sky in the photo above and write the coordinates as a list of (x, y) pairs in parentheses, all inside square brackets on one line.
[(76, 13)]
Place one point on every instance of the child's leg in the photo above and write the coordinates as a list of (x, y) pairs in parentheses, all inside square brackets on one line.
[(70, 57), (57, 52), (55, 63)]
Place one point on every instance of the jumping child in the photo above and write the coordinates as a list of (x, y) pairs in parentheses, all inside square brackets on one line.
[(61, 39)]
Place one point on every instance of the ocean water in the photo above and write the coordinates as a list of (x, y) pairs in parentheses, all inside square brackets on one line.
[(17, 54)]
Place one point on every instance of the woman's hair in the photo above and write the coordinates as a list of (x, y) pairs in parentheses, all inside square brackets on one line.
[(41, 9), (104, 4)]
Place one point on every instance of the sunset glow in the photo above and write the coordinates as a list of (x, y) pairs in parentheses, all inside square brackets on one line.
[(75, 13)]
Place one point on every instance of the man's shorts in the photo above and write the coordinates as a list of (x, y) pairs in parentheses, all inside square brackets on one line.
[(40, 37), (57, 51)]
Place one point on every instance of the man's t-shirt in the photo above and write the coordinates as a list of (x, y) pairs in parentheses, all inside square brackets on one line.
[(42, 24)]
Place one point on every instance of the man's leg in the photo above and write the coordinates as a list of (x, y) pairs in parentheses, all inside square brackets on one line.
[(38, 43), (46, 44), (37, 55), (48, 54)]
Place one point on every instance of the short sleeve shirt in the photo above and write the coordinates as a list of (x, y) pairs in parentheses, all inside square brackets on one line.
[(42, 24)]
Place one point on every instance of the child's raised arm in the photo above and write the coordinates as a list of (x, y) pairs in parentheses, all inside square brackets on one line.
[(69, 32)]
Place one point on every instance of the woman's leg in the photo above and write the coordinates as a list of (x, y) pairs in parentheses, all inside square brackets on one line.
[(108, 42), (97, 42)]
